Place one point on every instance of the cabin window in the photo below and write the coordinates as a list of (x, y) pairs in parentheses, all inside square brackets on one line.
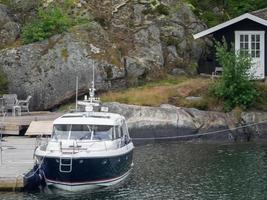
[(255, 46), (61, 131), (118, 132), (80, 132), (102, 132), (244, 44)]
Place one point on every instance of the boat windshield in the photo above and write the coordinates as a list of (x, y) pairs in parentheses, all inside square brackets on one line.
[(82, 132)]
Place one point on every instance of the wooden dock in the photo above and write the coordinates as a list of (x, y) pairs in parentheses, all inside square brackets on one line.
[(15, 125), (17, 160)]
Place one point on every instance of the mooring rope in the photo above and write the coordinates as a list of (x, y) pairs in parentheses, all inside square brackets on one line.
[(39, 166), (192, 135), (200, 134)]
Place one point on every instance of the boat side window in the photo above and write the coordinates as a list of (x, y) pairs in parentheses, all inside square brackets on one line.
[(124, 129), (61, 131), (80, 132), (102, 132), (118, 132), (125, 132)]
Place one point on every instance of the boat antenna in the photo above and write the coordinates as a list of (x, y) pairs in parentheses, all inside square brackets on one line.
[(93, 82), (92, 89), (77, 86)]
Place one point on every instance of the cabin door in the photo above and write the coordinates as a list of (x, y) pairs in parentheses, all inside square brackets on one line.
[(252, 42)]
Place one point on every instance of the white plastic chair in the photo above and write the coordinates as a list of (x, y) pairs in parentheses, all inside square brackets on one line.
[(24, 104)]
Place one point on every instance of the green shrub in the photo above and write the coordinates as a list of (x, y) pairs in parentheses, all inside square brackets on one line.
[(211, 18), (6, 2), (163, 9), (227, 9), (234, 87), (158, 9), (102, 20), (147, 11), (171, 40), (3, 82), (50, 21), (154, 3)]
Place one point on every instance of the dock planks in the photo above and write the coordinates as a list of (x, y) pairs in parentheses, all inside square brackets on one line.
[(17, 160), (38, 128), (17, 155), (12, 125)]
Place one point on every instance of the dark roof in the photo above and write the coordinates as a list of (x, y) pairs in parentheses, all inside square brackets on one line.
[(251, 16), (259, 16), (262, 13)]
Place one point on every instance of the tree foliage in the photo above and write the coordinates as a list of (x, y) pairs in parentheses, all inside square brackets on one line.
[(214, 12), (50, 21), (234, 87)]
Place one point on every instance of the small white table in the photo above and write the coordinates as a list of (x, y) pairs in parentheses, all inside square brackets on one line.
[(16, 109)]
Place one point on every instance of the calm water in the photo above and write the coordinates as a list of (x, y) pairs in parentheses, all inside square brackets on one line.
[(183, 171)]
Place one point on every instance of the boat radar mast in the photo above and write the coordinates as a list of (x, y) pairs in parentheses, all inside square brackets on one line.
[(92, 101)]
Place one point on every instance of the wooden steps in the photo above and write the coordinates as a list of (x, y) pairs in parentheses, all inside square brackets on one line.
[(11, 129)]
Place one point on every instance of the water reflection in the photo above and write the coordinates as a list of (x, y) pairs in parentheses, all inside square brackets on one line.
[(183, 171)]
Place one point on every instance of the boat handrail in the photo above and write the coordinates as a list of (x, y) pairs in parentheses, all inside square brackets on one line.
[(41, 142)]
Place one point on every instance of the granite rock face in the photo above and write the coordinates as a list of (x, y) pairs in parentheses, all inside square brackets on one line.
[(47, 70), (190, 124), (9, 30), (128, 42)]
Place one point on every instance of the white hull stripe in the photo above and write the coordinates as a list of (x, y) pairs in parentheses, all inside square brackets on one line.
[(49, 181), (84, 154)]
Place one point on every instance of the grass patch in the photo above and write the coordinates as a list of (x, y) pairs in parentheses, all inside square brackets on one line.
[(66, 107), (171, 90), (150, 94), (5, 2), (167, 81), (175, 90), (157, 8), (65, 54)]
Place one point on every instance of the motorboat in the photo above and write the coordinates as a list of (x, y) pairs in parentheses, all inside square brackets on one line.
[(88, 149)]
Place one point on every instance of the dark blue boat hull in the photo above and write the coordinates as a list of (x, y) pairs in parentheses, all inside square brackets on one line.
[(86, 170)]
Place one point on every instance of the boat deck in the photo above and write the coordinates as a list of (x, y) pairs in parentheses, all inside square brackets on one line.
[(16, 160)]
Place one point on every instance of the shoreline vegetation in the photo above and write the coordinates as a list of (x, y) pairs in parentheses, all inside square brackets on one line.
[(180, 91)]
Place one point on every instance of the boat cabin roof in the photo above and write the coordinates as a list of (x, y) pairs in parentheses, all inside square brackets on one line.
[(91, 118)]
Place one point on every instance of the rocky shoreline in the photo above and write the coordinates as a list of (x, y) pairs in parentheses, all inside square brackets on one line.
[(168, 122)]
